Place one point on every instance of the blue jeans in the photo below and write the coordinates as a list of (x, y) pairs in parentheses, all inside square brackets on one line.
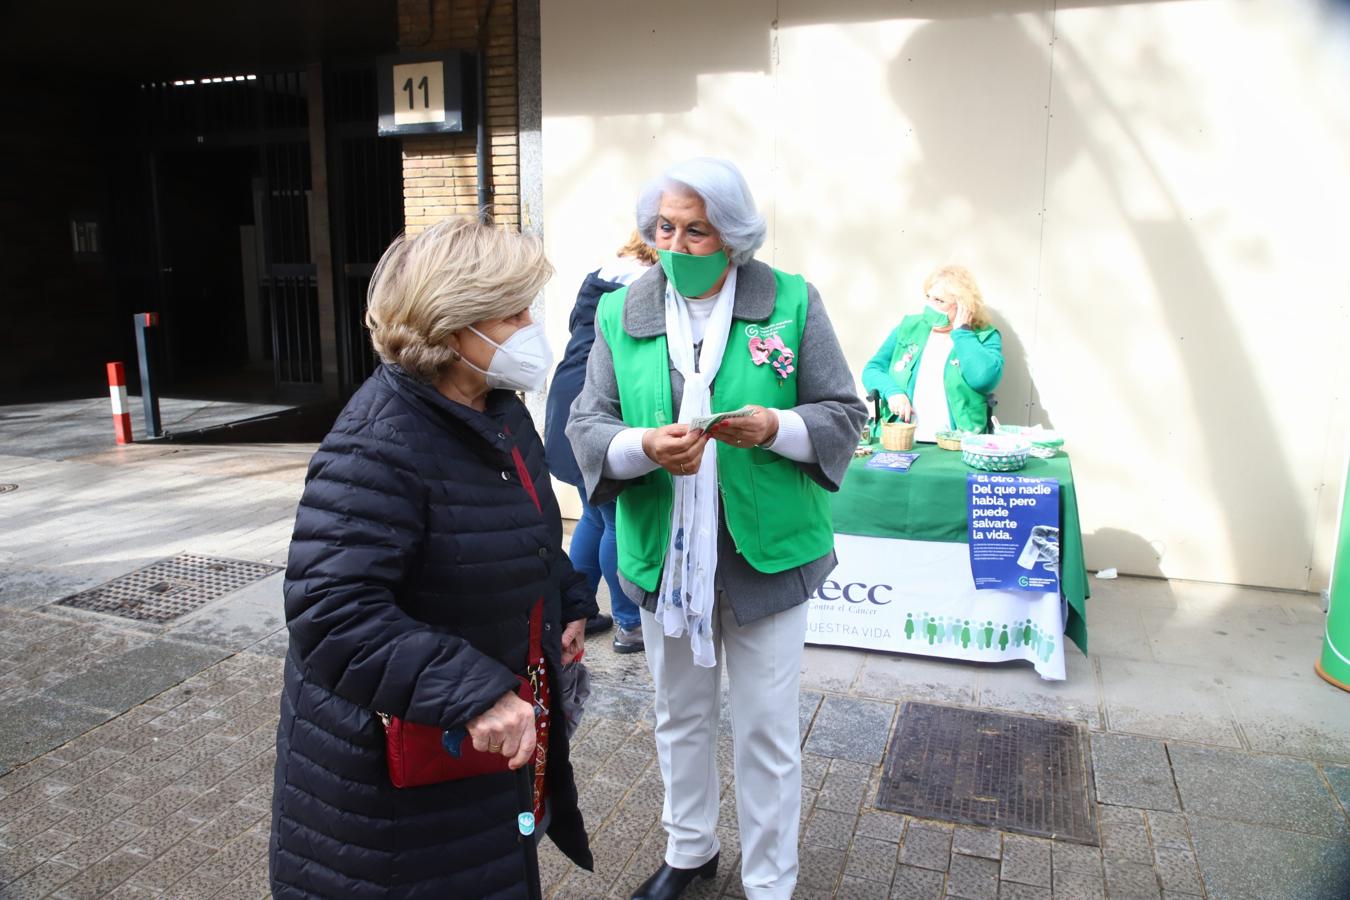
[(595, 551)]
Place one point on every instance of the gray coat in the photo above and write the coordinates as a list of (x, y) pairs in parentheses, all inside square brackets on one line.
[(826, 401)]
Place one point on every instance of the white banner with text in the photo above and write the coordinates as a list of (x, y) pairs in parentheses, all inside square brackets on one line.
[(919, 597)]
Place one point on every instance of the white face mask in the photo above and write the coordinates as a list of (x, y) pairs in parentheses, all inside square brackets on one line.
[(521, 364)]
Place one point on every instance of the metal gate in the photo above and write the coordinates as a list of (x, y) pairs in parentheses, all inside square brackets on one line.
[(366, 179), (271, 111), (288, 278)]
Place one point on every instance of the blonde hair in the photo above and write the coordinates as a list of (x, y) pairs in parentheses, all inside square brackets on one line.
[(453, 274), (961, 284), (638, 249)]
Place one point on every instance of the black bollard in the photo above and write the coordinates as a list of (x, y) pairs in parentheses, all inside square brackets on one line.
[(147, 348)]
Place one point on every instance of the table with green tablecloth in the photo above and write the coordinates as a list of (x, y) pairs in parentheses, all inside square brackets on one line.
[(904, 579)]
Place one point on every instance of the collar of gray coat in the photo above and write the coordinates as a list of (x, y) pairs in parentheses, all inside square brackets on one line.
[(644, 309)]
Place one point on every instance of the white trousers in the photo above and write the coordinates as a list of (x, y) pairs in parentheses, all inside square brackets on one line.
[(763, 661)]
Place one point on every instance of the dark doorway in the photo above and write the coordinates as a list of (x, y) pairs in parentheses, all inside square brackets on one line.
[(167, 131), (208, 234)]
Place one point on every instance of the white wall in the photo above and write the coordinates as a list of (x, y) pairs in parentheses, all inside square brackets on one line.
[(1155, 198)]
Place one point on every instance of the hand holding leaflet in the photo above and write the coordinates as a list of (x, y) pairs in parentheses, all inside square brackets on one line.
[(705, 423)]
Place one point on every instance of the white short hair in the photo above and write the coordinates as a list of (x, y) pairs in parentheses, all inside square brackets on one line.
[(722, 188)]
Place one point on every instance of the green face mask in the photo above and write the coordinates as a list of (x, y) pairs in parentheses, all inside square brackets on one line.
[(935, 317), (693, 276)]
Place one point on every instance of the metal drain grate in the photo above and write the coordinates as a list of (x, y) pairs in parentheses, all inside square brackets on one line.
[(172, 587), (1014, 773)]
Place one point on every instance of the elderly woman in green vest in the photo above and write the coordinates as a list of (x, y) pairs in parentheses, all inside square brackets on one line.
[(938, 368), (724, 531)]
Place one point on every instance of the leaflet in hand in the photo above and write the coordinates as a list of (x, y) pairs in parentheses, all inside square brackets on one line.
[(703, 423)]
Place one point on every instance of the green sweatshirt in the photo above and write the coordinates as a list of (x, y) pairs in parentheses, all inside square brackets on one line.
[(977, 370)]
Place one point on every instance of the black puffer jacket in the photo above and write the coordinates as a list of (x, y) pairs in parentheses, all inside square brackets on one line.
[(570, 376), (416, 558)]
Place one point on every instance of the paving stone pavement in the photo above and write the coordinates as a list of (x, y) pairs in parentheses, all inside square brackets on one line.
[(170, 799), (136, 760)]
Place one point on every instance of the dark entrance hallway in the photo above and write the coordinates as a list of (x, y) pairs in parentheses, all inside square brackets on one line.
[(211, 314), (217, 166)]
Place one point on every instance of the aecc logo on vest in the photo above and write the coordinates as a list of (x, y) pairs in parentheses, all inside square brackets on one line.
[(769, 330), (853, 592)]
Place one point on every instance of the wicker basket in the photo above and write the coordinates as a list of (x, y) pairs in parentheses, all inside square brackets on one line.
[(950, 440), (897, 435), (995, 452)]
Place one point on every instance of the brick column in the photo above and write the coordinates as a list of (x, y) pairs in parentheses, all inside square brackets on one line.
[(440, 171)]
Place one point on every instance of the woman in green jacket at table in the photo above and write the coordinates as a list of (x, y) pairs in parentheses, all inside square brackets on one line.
[(938, 368)]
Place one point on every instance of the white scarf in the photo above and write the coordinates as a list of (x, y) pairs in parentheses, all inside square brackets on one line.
[(686, 596)]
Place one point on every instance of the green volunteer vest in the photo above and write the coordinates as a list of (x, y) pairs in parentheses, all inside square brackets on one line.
[(778, 517), (969, 408)]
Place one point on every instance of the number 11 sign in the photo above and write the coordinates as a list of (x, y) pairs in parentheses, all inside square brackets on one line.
[(422, 93)]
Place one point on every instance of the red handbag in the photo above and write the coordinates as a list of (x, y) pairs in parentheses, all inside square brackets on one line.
[(422, 754), (419, 754)]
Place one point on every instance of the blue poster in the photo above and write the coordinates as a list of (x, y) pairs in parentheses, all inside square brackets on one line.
[(1014, 532)]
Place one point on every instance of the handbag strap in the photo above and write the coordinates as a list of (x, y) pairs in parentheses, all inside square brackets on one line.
[(525, 480), (536, 647), (534, 664)]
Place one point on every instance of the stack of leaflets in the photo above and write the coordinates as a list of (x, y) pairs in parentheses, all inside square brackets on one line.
[(895, 462), (703, 423)]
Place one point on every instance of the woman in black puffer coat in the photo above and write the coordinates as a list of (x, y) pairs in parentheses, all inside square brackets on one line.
[(426, 535)]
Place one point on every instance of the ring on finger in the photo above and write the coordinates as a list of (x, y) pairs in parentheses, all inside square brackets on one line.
[(494, 748)]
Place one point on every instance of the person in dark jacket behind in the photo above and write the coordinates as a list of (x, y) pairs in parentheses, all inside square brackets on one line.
[(594, 550), (426, 537)]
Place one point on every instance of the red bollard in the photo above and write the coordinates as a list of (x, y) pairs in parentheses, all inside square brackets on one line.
[(117, 388)]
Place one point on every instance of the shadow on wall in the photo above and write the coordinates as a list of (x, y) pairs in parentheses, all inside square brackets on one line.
[(962, 132), (968, 88), (964, 154), (974, 144), (1184, 282), (966, 136), (655, 68), (624, 173), (1017, 382), (1115, 548)]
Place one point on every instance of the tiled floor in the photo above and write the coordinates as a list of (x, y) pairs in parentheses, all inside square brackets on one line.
[(135, 760)]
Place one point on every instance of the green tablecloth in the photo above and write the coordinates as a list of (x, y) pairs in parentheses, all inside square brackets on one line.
[(928, 503)]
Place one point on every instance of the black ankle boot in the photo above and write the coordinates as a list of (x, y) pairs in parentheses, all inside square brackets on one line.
[(669, 882), (598, 623)]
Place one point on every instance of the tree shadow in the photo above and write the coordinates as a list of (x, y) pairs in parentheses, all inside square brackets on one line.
[(1215, 365), (654, 64), (1018, 401), (993, 127), (975, 145), (1124, 551)]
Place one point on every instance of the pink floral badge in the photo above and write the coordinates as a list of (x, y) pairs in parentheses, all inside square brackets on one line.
[(773, 351), (909, 355)]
